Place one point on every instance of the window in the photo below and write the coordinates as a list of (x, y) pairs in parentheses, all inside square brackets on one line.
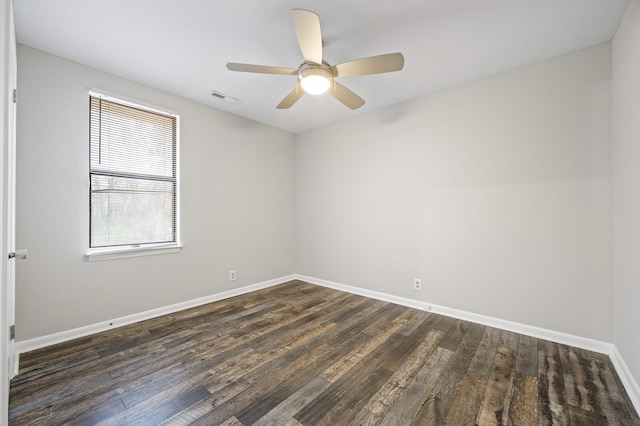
[(133, 176)]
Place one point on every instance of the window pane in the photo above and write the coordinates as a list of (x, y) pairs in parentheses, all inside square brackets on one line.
[(132, 141), (128, 211), (132, 157)]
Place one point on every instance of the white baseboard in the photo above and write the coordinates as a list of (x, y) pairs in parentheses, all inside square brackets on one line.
[(364, 292), (627, 379), (541, 333), (64, 336), (528, 330)]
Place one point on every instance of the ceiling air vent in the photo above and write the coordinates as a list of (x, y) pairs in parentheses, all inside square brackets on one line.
[(223, 97)]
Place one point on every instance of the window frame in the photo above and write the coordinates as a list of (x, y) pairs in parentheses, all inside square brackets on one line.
[(143, 249)]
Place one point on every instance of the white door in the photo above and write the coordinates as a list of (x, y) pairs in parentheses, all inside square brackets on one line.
[(11, 192)]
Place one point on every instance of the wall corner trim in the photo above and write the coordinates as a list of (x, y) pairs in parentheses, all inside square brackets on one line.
[(64, 336), (630, 384)]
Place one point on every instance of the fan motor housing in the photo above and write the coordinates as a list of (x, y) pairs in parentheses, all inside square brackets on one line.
[(309, 68)]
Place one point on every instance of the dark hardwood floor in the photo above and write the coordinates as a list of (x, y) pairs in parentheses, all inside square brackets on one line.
[(298, 354)]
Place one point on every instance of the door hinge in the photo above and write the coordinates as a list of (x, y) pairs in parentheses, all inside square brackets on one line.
[(12, 332), (15, 96)]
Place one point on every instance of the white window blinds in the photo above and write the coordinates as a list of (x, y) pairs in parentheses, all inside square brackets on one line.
[(133, 182)]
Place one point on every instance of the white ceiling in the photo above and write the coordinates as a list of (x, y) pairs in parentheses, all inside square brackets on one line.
[(182, 46)]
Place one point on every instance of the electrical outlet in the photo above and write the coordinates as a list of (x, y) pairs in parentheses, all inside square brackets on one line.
[(232, 275), (417, 284)]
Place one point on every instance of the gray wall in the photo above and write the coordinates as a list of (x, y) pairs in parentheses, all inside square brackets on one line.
[(497, 194), (626, 189), (237, 204)]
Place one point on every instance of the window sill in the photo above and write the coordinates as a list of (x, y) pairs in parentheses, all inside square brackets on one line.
[(124, 252)]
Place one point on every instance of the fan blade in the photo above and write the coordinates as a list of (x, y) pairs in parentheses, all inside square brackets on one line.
[(261, 69), (291, 98), (346, 96), (307, 27), (371, 65)]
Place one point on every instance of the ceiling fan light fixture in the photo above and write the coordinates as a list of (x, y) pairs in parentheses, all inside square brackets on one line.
[(317, 76), (315, 81)]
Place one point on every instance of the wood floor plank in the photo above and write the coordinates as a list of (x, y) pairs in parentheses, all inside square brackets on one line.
[(226, 341), (449, 384), (436, 409), (417, 317), (200, 409), (231, 421), (189, 415), (420, 390), (454, 337), (297, 355), (386, 396), (57, 393), (464, 408), (497, 395), (391, 316), (580, 417), (291, 310), (342, 400), (176, 405), (175, 398), (579, 388), (485, 352), (98, 413), (73, 350), (51, 373), (290, 406), (524, 401), (277, 385), (356, 355), (133, 393), (92, 394), (284, 385), (603, 403), (509, 340), (399, 355), (612, 387), (527, 357), (135, 381), (277, 359), (551, 390)]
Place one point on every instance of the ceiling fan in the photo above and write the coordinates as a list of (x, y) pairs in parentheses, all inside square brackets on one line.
[(315, 75)]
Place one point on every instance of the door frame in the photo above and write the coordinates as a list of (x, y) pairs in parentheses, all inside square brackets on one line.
[(7, 148), (10, 188)]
